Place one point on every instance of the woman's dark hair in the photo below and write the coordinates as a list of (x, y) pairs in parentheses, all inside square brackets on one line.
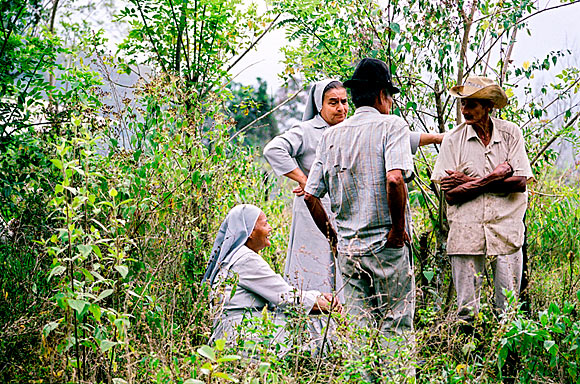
[(365, 97), (332, 85)]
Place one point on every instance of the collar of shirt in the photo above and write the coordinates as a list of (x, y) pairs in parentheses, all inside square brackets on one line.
[(318, 122), (364, 110), (495, 137)]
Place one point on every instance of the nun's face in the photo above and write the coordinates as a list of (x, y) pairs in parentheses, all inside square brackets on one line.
[(260, 236), (334, 106)]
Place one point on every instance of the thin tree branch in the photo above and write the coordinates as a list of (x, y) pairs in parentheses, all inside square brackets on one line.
[(11, 29), (150, 37), (507, 58), (180, 44), (514, 25), (467, 22), (554, 100), (556, 135), (249, 125), (255, 42), (440, 122), (201, 27)]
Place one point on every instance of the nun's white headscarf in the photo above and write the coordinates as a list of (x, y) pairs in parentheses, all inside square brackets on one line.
[(314, 102), (233, 233)]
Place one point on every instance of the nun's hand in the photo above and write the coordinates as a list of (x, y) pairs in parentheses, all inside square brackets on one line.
[(326, 303), (335, 305)]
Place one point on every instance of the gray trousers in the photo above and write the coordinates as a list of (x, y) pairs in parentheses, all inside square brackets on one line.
[(380, 289), (468, 272)]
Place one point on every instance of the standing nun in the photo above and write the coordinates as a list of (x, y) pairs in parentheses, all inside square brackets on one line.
[(309, 262)]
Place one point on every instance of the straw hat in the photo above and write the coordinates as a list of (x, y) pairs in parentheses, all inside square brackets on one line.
[(479, 87)]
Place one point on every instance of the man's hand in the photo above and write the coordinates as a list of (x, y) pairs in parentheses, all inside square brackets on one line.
[(454, 179), (500, 180), (503, 171), (397, 239)]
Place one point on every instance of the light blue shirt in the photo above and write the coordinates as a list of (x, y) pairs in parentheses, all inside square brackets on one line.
[(351, 164)]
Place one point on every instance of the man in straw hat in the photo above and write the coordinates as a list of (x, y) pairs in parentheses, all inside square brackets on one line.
[(483, 170), (362, 163)]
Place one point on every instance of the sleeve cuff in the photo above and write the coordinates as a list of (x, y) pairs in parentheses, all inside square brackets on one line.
[(309, 299), (313, 192), (415, 139), (282, 169)]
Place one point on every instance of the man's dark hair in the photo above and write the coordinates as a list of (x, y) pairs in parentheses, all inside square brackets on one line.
[(332, 85), (364, 97)]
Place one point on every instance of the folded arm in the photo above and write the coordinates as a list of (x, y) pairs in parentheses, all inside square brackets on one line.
[(460, 188)]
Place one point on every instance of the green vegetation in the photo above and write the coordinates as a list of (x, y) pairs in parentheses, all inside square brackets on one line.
[(115, 171)]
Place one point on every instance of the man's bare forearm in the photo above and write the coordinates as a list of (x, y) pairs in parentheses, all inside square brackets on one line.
[(396, 199), (320, 218), (488, 184), (510, 185), (430, 138)]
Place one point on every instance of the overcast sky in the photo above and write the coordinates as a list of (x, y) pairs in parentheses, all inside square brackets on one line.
[(552, 30)]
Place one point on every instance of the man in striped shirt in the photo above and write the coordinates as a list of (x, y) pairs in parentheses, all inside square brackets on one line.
[(362, 163)]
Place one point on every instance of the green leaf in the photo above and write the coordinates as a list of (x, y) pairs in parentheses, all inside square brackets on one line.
[(113, 192), (106, 345), (395, 27), (97, 250), (78, 305), (57, 163), (59, 188), (122, 269), (263, 368), (429, 275), (95, 310), (56, 271), (207, 368), (220, 344), (227, 358), (105, 293), (49, 328), (85, 250), (549, 344), (225, 376), (207, 352)]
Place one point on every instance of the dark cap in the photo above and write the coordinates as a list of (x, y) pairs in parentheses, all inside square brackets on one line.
[(372, 74)]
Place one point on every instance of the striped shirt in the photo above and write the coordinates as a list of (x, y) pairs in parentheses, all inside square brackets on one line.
[(351, 164)]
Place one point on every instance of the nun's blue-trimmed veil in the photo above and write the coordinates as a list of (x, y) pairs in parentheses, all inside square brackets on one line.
[(234, 232), (314, 102)]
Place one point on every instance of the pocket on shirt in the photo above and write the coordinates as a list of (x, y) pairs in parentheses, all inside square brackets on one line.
[(467, 169)]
